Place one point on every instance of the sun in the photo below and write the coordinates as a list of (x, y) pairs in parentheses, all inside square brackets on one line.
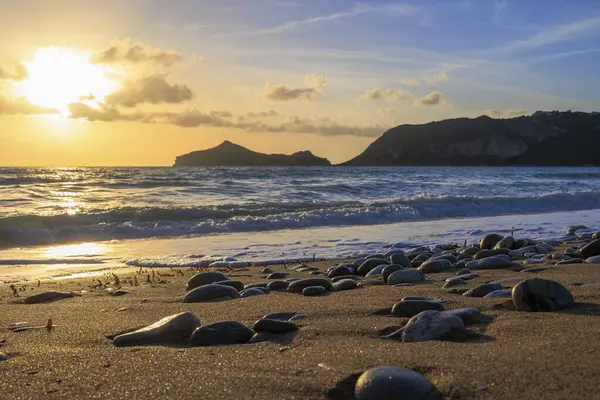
[(57, 77)]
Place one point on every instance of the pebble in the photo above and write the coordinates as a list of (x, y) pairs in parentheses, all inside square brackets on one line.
[(260, 337), (570, 261), (369, 264), (410, 308), (451, 282), (307, 269), (205, 278), (593, 260), (536, 269), (469, 315), (256, 285), (237, 285), (251, 292), (490, 263), (370, 282), (266, 271), (339, 278), (400, 259), (170, 329), (532, 261), (278, 285), (299, 285), (390, 383), (591, 249), (3, 356), (541, 295), (390, 269), (344, 284), (497, 293), (313, 291), (430, 325), (221, 333), (405, 276), (413, 298), (278, 275), (316, 273), (282, 316), (507, 242), (433, 266), (210, 292), (274, 326), (376, 271), (482, 290), (464, 271), (47, 296), (490, 240), (340, 270)]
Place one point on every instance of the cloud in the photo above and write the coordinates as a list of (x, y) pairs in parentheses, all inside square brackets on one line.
[(377, 94), (19, 73), (432, 80), (315, 81), (20, 105), (152, 89), (500, 7), (126, 52), (430, 100), (84, 111), (283, 92), (411, 82), (496, 113)]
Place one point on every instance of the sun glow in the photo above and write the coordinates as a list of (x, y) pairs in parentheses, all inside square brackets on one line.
[(57, 77)]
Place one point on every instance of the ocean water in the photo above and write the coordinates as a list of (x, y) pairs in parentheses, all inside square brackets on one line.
[(196, 214)]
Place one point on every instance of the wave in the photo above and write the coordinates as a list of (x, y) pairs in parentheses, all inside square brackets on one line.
[(147, 222)]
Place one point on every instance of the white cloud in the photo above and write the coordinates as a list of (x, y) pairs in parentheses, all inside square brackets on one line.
[(315, 81), (432, 99), (411, 82), (18, 73), (432, 80), (283, 92), (152, 89), (125, 51), (377, 94), (508, 113), (20, 105)]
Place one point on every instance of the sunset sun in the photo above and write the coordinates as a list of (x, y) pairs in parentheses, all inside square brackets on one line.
[(57, 77)]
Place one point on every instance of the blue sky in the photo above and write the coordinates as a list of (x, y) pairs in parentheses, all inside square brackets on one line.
[(320, 70)]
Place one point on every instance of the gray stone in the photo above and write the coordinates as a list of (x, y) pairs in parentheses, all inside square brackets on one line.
[(405, 276), (490, 240), (507, 242), (410, 308), (456, 281), (593, 260), (118, 293), (413, 298), (3, 356), (369, 264), (469, 315), (400, 259), (391, 252), (251, 292), (392, 383), (210, 292), (536, 269), (390, 269), (403, 284), (591, 249), (376, 271), (204, 278), (490, 253), (491, 263), (497, 293), (278, 285), (430, 325), (464, 271), (344, 284), (448, 257), (571, 261), (257, 285), (339, 278), (433, 266), (282, 316), (266, 271), (172, 329), (541, 295), (274, 326), (278, 275), (482, 290), (298, 286), (261, 337), (47, 296), (221, 333), (340, 270), (313, 291), (237, 285), (470, 251)]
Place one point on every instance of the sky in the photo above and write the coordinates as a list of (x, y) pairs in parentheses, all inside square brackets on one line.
[(139, 82)]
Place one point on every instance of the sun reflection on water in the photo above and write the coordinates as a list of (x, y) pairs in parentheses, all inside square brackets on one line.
[(76, 250)]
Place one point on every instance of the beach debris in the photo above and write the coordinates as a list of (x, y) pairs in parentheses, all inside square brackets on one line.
[(390, 382), (172, 329), (541, 295), (47, 296), (221, 333), (430, 325), (410, 308), (205, 278), (210, 292), (14, 290)]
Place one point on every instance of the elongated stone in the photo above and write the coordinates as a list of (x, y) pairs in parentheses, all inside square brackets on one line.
[(282, 316), (482, 290), (221, 333), (274, 326), (47, 296), (313, 291), (204, 278), (251, 292), (298, 286), (210, 292), (410, 308), (405, 276), (174, 328), (278, 285), (491, 263), (369, 264), (237, 285), (344, 284)]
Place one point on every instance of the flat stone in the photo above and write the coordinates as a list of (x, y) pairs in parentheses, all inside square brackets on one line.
[(405, 276), (536, 269), (278, 275), (491, 263), (298, 286), (391, 383), (403, 284), (390, 269), (369, 264), (344, 284), (482, 290), (591, 249), (498, 294), (400, 259), (274, 326), (278, 285), (313, 291), (571, 261), (541, 295), (171, 329), (251, 292), (237, 285), (281, 316), (339, 278), (430, 325), (464, 271), (210, 292), (532, 261), (256, 285), (316, 273), (593, 260), (490, 240), (433, 266), (410, 308), (261, 337), (221, 333), (47, 296), (205, 278), (456, 281)]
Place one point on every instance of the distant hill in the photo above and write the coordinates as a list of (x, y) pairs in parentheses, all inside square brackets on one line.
[(550, 138), (231, 154)]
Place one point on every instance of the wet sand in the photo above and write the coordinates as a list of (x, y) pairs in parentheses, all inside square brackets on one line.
[(518, 355)]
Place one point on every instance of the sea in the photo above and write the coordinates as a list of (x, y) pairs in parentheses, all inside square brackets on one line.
[(62, 222)]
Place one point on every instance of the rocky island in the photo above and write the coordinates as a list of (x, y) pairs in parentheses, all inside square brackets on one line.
[(233, 155), (546, 138)]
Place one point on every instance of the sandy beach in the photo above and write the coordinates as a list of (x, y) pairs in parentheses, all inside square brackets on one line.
[(550, 355)]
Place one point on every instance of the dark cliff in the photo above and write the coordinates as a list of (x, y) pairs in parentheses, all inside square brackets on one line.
[(230, 154), (545, 138)]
